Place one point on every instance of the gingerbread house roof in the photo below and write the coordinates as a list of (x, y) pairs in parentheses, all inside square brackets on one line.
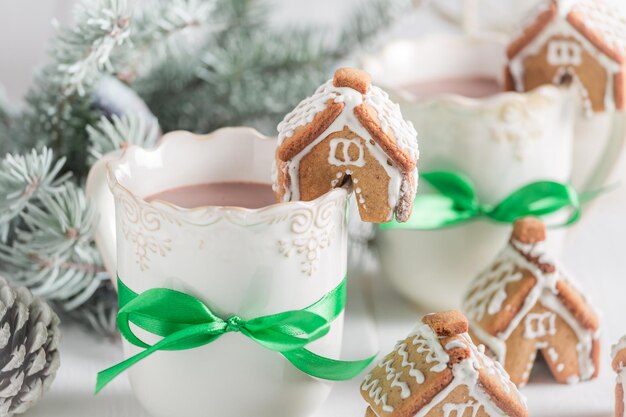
[(600, 23), (618, 355), (433, 361), (522, 275), (349, 99)]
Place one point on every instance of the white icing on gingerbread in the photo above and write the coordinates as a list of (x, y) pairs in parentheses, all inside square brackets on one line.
[(455, 344), (465, 373), (566, 43), (487, 298), (604, 20), (564, 52), (426, 341), (619, 346), (375, 392), (552, 353), (394, 377), (489, 286), (415, 373), (389, 118), (344, 158), (539, 324), (459, 410)]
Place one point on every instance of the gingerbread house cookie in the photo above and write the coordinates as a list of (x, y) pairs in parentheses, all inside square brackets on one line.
[(524, 303), (349, 130), (573, 41), (438, 371), (618, 356)]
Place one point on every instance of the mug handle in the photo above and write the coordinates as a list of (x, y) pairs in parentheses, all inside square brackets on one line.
[(98, 190), (606, 164)]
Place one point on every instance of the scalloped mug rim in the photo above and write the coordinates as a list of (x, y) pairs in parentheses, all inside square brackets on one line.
[(158, 204)]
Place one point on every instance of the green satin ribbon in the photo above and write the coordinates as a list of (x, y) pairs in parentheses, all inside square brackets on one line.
[(456, 202), (185, 322)]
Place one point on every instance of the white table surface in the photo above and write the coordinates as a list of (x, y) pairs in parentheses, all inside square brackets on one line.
[(377, 316)]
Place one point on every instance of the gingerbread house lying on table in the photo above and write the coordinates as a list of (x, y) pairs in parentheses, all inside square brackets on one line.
[(581, 42), (438, 371), (524, 303), (618, 356), (349, 130)]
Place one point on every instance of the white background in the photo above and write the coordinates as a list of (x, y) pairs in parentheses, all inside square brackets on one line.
[(376, 316)]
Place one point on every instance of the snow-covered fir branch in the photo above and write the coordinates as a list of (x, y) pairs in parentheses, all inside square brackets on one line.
[(60, 224), (254, 76), (25, 179), (47, 229), (168, 28), (120, 132), (52, 251), (85, 50)]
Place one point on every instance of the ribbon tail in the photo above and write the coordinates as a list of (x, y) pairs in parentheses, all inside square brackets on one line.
[(325, 368), (108, 375), (176, 340)]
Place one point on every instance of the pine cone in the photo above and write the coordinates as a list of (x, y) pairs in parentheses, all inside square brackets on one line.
[(29, 338)]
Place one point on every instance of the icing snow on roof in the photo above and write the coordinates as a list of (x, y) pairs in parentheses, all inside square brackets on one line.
[(488, 291), (387, 112), (604, 20), (598, 21)]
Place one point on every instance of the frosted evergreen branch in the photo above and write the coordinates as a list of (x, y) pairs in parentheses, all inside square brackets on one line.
[(52, 253), (171, 69), (83, 51), (120, 132), (255, 77), (27, 178), (59, 106), (70, 279), (166, 29), (62, 223)]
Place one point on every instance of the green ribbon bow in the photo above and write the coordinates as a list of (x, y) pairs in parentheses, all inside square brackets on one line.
[(457, 203), (185, 322)]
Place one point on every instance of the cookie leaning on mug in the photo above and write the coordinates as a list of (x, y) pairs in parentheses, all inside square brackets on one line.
[(349, 130)]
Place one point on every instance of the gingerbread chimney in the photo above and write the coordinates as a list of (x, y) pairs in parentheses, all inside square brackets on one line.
[(356, 79), (529, 230), (446, 323)]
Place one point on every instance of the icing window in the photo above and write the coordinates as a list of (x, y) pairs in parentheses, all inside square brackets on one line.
[(341, 154), (539, 325), (564, 53)]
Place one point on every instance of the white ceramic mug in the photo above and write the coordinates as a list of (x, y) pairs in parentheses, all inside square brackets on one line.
[(249, 262), (501, 142)]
